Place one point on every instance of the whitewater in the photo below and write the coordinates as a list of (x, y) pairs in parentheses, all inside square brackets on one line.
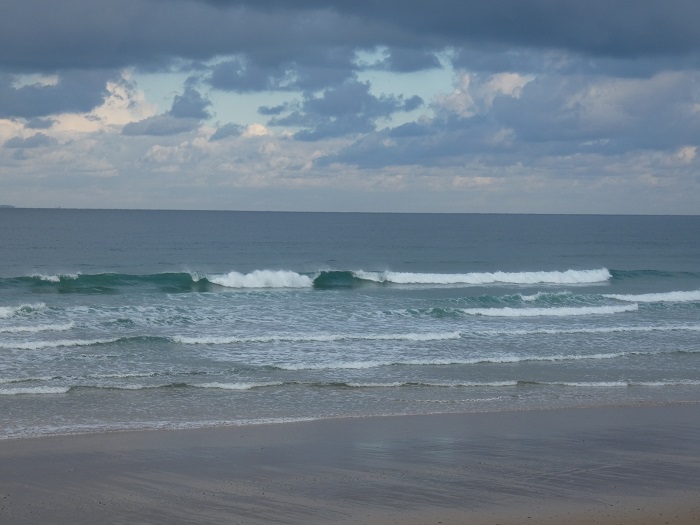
[(121, 320)]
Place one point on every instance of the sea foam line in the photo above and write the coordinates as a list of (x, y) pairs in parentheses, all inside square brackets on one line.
[(35, 390), (41, 345), (238, 386), (667, 297), (599, 330), (36, 329), (624, 384), (504, 359), (320, 338), (481, 278), (550, 312)]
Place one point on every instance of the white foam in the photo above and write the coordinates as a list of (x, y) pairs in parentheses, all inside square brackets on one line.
[(550, 312), (625, 384), (448, 384), (502, 359), (667, 382), (599, 330), (35, 329), (9, 311), (590, 384), (481, 278), (237, 386), (9, 380), (55, 278), (121, 376), (41, 345), (668, 297), (319, 338), (336, 365), (35, 390), (376, 385), (539, 295), (263, 279)]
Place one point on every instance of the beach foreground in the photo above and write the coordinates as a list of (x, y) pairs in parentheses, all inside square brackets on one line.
[(589, 465)]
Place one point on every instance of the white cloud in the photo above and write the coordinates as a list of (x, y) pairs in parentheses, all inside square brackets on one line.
[(256, 130), (687, 154), (35, 79), (474, 94), (123, 104), (12, 128)]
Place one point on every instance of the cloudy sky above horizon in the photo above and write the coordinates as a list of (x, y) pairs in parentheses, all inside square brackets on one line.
[(524, 106)]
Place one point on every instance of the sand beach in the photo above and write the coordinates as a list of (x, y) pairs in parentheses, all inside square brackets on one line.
[(587, 465)]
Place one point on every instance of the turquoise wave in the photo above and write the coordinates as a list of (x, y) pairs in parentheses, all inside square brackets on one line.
[(184, 282)]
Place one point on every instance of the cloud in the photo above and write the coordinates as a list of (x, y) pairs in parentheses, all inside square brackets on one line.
[(160, 125), (509, 118), (346, 109), (73, 91), (626, 113), (186, 113), (314, 93), (39, 34), (190, 105), (227, 130), (38, 140), (403, 60), (39, 123), (312, 68)]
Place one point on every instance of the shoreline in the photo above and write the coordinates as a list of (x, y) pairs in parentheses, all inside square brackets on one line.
[(274, 422), (582, 465)]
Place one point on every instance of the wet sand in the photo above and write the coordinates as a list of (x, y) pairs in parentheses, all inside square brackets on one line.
[(593, 465)]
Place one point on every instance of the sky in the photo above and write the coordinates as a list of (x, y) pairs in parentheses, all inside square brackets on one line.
[(499, 106)]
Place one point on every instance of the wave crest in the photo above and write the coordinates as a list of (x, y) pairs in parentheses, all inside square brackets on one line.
[(481, 278), (262, 279)]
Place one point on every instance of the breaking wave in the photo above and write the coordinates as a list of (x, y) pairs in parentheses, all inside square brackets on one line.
[(482, 278), (10, 311), (323, 279)]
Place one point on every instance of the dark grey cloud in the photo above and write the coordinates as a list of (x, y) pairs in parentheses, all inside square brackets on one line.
[(227, 130), (341, 110), (37, 35), (311, 70), (160, 125), (311, 46), (628, 28), (622, 114), (39, 123), (75, 91), (443, 142), (38, 140), (186, 113), (402, 60), (272, 110), (552, 117), (191, 104)]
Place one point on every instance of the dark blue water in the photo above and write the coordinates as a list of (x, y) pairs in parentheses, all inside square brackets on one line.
[(149, 319)]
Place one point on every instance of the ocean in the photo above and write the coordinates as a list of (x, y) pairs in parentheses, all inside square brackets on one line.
[(124, 319)]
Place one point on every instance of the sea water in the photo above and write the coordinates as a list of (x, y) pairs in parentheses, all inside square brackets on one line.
[(115, 320)]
